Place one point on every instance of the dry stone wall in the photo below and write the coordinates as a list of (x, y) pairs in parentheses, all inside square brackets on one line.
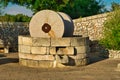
[(91, 26), (9, 33)]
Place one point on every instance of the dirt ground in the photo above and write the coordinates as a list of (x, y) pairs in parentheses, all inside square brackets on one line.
[(102, 70)]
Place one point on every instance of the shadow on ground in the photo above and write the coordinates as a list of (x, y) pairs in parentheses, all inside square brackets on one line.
[(8, 58), (97, 52)]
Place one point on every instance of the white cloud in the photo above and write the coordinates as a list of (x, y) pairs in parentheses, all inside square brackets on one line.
[(16, 9)]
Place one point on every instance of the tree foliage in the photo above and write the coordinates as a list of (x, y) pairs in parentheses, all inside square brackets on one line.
[(14, 18), (75, 8), (111, 35), (115, 6)]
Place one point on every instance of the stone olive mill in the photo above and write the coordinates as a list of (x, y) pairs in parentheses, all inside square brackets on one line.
[(51, 42)]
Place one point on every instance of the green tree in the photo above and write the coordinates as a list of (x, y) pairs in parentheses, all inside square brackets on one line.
[(15, 18), (111, 35), (75, 8), (115, 6)]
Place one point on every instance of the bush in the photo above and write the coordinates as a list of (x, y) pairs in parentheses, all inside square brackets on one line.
[(111, 33)]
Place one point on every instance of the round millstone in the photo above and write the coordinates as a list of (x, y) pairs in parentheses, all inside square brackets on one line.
[(46, 23)]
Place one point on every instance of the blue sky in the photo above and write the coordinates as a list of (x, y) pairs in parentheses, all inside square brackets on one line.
[(15, 9)]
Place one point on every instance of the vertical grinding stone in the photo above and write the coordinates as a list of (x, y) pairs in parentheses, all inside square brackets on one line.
[(46, 23)]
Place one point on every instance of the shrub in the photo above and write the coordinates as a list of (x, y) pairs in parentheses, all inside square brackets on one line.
[(111, 31)]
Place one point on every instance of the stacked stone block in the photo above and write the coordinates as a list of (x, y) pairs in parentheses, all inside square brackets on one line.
[(53, 52)]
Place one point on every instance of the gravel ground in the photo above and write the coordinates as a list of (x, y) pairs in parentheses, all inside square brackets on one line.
[(102, 70)]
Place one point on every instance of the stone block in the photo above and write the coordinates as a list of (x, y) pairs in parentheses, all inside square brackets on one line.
[(19, 48), (79, 56), (39, 50), (52, 50), (61, 59), (118, 65), (60, 42), (32, 63), (25, 49), (81, 62), (36, 57), (6, 49), (45, 64), (23, 61), (82, 49), (20, 41), (27, 40), (65, 51), (79, 41), (41, 41)]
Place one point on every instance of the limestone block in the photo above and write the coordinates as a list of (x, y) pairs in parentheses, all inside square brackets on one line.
[(79, 41), (41, 41), (25, 49), (65, 51), (81, 62), (61, 59), (36, 56), (82, 49), (45, 64), (119, 65), (79, 56), (53, 50), (20, 42), (60, 42), (32, 63), (39, 50), (56, 64), (27, 40), (19, 48), (23, 62), (6, 49)]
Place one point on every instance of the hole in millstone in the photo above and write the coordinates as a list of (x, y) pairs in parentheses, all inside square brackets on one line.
[(46, 28)]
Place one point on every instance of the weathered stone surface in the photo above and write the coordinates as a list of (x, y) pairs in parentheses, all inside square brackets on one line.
[(41, 42), (36, 56), (27, 40), (53, 50), (69, 26), (32, 63), (60, 42), (118, 66), (23, 61), (114, 54), (79, 41), (56, 64), (20, 41), (39, 50), (79, 56), (61, 59), (25, 49), (65, 51), (6, 49), (82, 49), (46, 64), (36, 63), (91, 26), (81, 62)]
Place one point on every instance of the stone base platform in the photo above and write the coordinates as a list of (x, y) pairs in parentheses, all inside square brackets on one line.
[(53, 52)]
